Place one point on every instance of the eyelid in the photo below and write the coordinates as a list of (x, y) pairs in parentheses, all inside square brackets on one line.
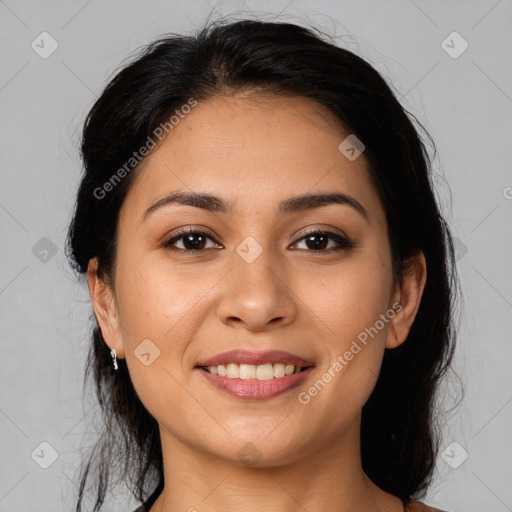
[(323, 228), (342, 241)]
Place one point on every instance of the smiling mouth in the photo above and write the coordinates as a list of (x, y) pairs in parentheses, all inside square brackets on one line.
[(267, 371)]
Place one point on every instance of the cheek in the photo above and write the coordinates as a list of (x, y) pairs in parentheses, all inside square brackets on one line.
[(155, 299), (351, 297), (155, 307), (165, 306), (353, 306)]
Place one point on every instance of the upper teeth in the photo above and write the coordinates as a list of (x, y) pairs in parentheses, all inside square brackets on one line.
[(249, 371)]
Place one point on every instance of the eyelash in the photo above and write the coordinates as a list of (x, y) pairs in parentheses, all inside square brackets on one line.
[(343, 243)]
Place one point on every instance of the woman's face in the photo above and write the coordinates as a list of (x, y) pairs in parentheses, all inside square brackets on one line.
[(255, 283)]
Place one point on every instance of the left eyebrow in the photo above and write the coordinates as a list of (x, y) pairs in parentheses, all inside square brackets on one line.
[(288, 206), (310, 201)]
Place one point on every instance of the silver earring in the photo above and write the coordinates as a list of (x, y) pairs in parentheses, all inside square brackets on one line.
[(114, 358)]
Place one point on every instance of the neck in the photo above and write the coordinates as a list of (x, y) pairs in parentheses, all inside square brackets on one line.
[(329, 478)]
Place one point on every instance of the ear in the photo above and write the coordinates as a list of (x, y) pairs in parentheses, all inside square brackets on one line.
[(104, 306), (408, 293)]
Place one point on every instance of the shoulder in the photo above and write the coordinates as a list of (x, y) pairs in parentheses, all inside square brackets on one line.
[(418, 506), (141, 508), (146, 506)]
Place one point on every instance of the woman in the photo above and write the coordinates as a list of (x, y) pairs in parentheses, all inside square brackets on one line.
[(271, 277)]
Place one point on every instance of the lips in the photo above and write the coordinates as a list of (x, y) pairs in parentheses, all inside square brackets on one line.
[(256, 383), (240, 356)]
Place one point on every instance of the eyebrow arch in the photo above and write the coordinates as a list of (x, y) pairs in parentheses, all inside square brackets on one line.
[(288, 206)]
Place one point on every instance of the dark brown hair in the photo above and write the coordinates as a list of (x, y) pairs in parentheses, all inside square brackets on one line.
[(399, 433)]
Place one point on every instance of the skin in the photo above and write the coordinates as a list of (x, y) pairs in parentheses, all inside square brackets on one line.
[(291, 297)]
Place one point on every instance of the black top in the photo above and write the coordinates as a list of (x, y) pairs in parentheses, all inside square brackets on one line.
[(144, 507)]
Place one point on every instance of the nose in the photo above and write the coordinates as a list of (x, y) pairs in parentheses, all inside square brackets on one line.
[(255, 296)]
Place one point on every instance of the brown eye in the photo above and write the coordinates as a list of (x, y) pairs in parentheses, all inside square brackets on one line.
[(191, 241), (319, 241)]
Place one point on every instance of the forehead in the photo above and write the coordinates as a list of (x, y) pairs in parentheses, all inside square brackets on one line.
[(252, 148)]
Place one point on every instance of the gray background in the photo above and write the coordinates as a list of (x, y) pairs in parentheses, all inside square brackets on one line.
[(465, 103)]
